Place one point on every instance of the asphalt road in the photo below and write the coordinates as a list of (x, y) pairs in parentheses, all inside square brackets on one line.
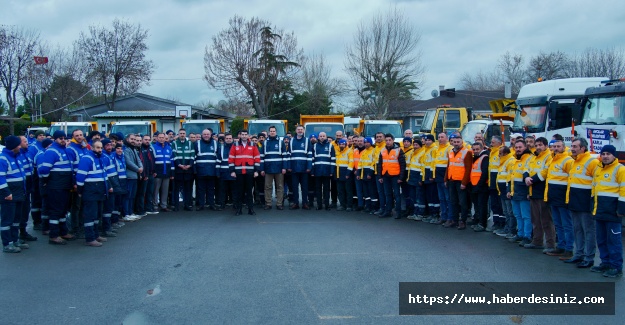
[(278, 267)]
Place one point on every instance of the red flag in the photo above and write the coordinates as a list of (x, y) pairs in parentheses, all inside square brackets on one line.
[(41, 59)]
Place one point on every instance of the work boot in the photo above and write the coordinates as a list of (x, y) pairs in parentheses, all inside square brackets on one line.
[(10, 248), (27, 237), (238, 211), (101, 239), (110, 234), (250, 211), (94, 243), (613, 273), (293, 206), (21, 244), (462, 225), (305, 207), (566, 255)]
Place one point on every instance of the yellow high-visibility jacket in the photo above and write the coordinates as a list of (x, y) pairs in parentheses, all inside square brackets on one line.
[(429, 156), (503, 175), (414, 166), (367, 163), (493, 166), (558, 179), (608, 190), (376, 154), (537, 170), (344, 163), (441, 159), (518, 189), (579, 187)]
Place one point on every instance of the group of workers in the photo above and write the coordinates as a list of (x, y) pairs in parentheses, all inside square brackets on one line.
[(540, 193)]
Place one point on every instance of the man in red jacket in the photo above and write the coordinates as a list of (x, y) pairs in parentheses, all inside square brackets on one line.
[(244, 163)]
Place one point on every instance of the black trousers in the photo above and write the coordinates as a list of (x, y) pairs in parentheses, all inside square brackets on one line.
[(187, 192), (479, 198), (459, 200), (322, 186), (205, 190), (345, 192), (243, 190), (35, 212), (333, 190), (225, 190)]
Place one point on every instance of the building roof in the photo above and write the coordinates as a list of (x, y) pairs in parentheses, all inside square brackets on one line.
[(147, 105), (478, 100), (153, 113)]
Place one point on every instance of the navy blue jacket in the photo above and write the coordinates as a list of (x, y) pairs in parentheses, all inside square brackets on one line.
[(164, 162), (324, 159), (206, 158), (223, 152), (300, 155), (92, 178), (273, 156), (12, 177), (56, 169)]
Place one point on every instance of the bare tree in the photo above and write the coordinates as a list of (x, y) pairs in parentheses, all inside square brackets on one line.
[(594, 62), (61, 81), (36, 78), (511, 67), (317, 83), (17, 46), (482, 81), (384, 62), (115, 59), (547, 66), (251, 59)]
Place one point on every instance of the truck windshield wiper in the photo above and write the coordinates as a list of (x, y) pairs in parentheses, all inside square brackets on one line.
[(588, 122), (608, 123)]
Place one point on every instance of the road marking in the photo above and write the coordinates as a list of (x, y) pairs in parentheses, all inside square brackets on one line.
[(336, 317), (323, 254)]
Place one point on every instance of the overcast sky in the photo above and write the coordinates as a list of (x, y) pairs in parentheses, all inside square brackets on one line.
[(457, 35)]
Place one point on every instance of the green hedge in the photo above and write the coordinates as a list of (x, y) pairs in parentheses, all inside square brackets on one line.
[(20, 127)]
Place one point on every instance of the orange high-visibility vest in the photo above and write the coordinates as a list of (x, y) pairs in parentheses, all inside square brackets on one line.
[(476, 171), (356, 158), (455, 171), (390, 162)]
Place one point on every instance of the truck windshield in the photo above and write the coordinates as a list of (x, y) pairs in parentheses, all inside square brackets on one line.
[(428, 120), (532, 118), (349, 128), (70, 128), (394, 129), (142, 129), (471, 129), (199, 127), (605, 110), (329, 129), (256, 128)]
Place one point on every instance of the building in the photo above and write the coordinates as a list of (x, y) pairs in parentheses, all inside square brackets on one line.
[(142, 107), (412, 111)]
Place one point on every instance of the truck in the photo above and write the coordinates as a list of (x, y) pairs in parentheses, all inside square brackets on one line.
[(552, 107), (257, 126), (445, 118), (136, 127), (197, 126), (488, 128), (352, 125), (313, 124), (371, 127), (68, 127), (603, 116)]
